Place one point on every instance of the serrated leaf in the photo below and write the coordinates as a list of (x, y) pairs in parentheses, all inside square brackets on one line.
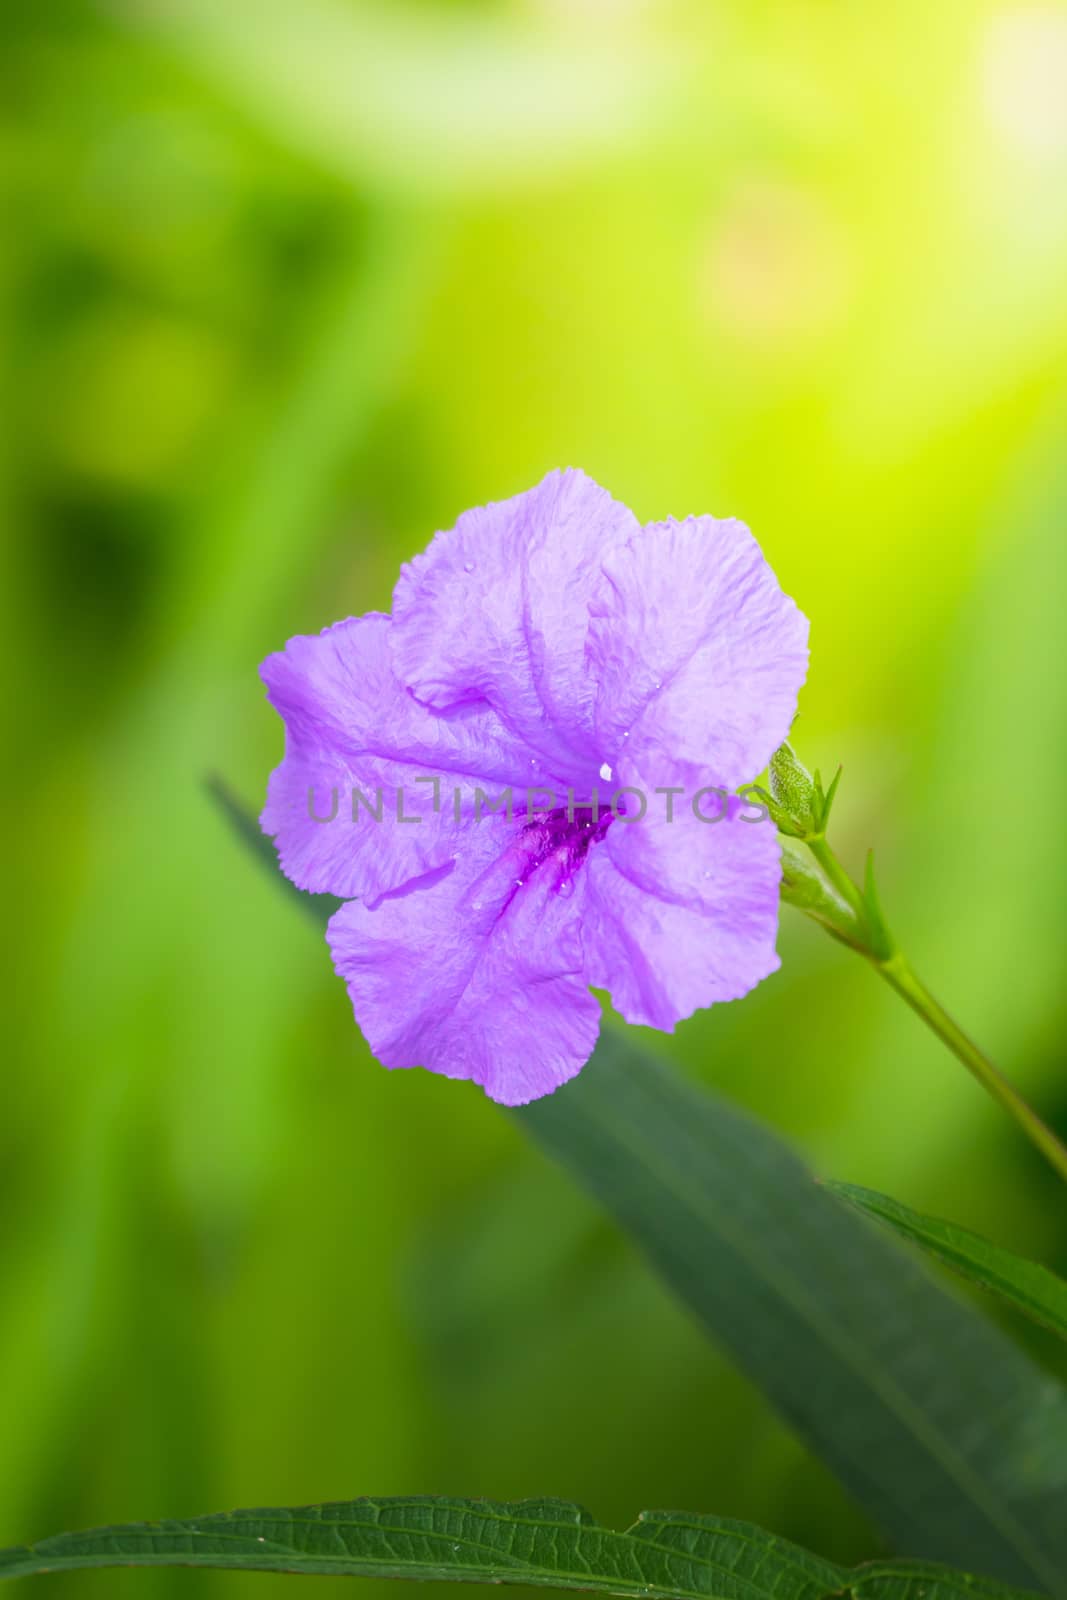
[(1030, 1287), (545, 1543)]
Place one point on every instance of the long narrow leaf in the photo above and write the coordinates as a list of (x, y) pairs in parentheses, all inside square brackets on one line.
[(923, 1408), (547, 1543), (1030, 1287), (939, 1425)]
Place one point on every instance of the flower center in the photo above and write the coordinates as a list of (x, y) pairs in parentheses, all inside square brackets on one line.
[(565, 835)]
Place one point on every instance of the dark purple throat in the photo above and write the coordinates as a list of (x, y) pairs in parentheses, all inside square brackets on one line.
[(565, 836)]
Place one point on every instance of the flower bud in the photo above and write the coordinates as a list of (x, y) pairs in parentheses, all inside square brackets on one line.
[(793, 786)]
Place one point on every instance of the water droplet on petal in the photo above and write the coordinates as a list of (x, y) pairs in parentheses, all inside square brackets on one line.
[(626, 733), (468, 566), (606, 772), (477, 905)]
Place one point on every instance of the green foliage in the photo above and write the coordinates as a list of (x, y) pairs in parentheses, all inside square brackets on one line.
[(916, 1402), (548, 1544), (1029, 1286), (820, 1315), (881, 1372), (250, 364)]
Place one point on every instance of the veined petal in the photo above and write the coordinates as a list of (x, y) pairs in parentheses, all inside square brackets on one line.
[(548, 647), (473, 974), (351, 725), (499, 607), (678, 915), (698, 654)]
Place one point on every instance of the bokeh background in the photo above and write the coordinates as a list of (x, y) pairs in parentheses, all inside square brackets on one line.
[(285, 286)]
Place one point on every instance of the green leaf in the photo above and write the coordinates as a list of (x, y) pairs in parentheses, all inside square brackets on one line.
[(1030, 1287), (949, 1436), (912, 1580), (939, 1425), (547, 1543)]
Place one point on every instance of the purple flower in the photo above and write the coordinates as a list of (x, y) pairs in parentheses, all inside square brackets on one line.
[(548, 642)]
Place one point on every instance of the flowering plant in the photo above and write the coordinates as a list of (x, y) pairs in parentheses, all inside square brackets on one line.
[(551, 648)]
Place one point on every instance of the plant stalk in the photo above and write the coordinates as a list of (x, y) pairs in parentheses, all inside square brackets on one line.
[(854, 916), (901, 976)]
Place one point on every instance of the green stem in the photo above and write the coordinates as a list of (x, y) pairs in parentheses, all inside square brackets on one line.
[(899, 974), (856, 918)]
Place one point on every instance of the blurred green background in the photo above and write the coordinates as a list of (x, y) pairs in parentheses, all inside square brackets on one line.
[(286, 285)]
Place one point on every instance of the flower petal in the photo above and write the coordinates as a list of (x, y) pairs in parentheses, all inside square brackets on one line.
[(471, 974), (499, 607), (678, 915), (350, 724), (698, 654)]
